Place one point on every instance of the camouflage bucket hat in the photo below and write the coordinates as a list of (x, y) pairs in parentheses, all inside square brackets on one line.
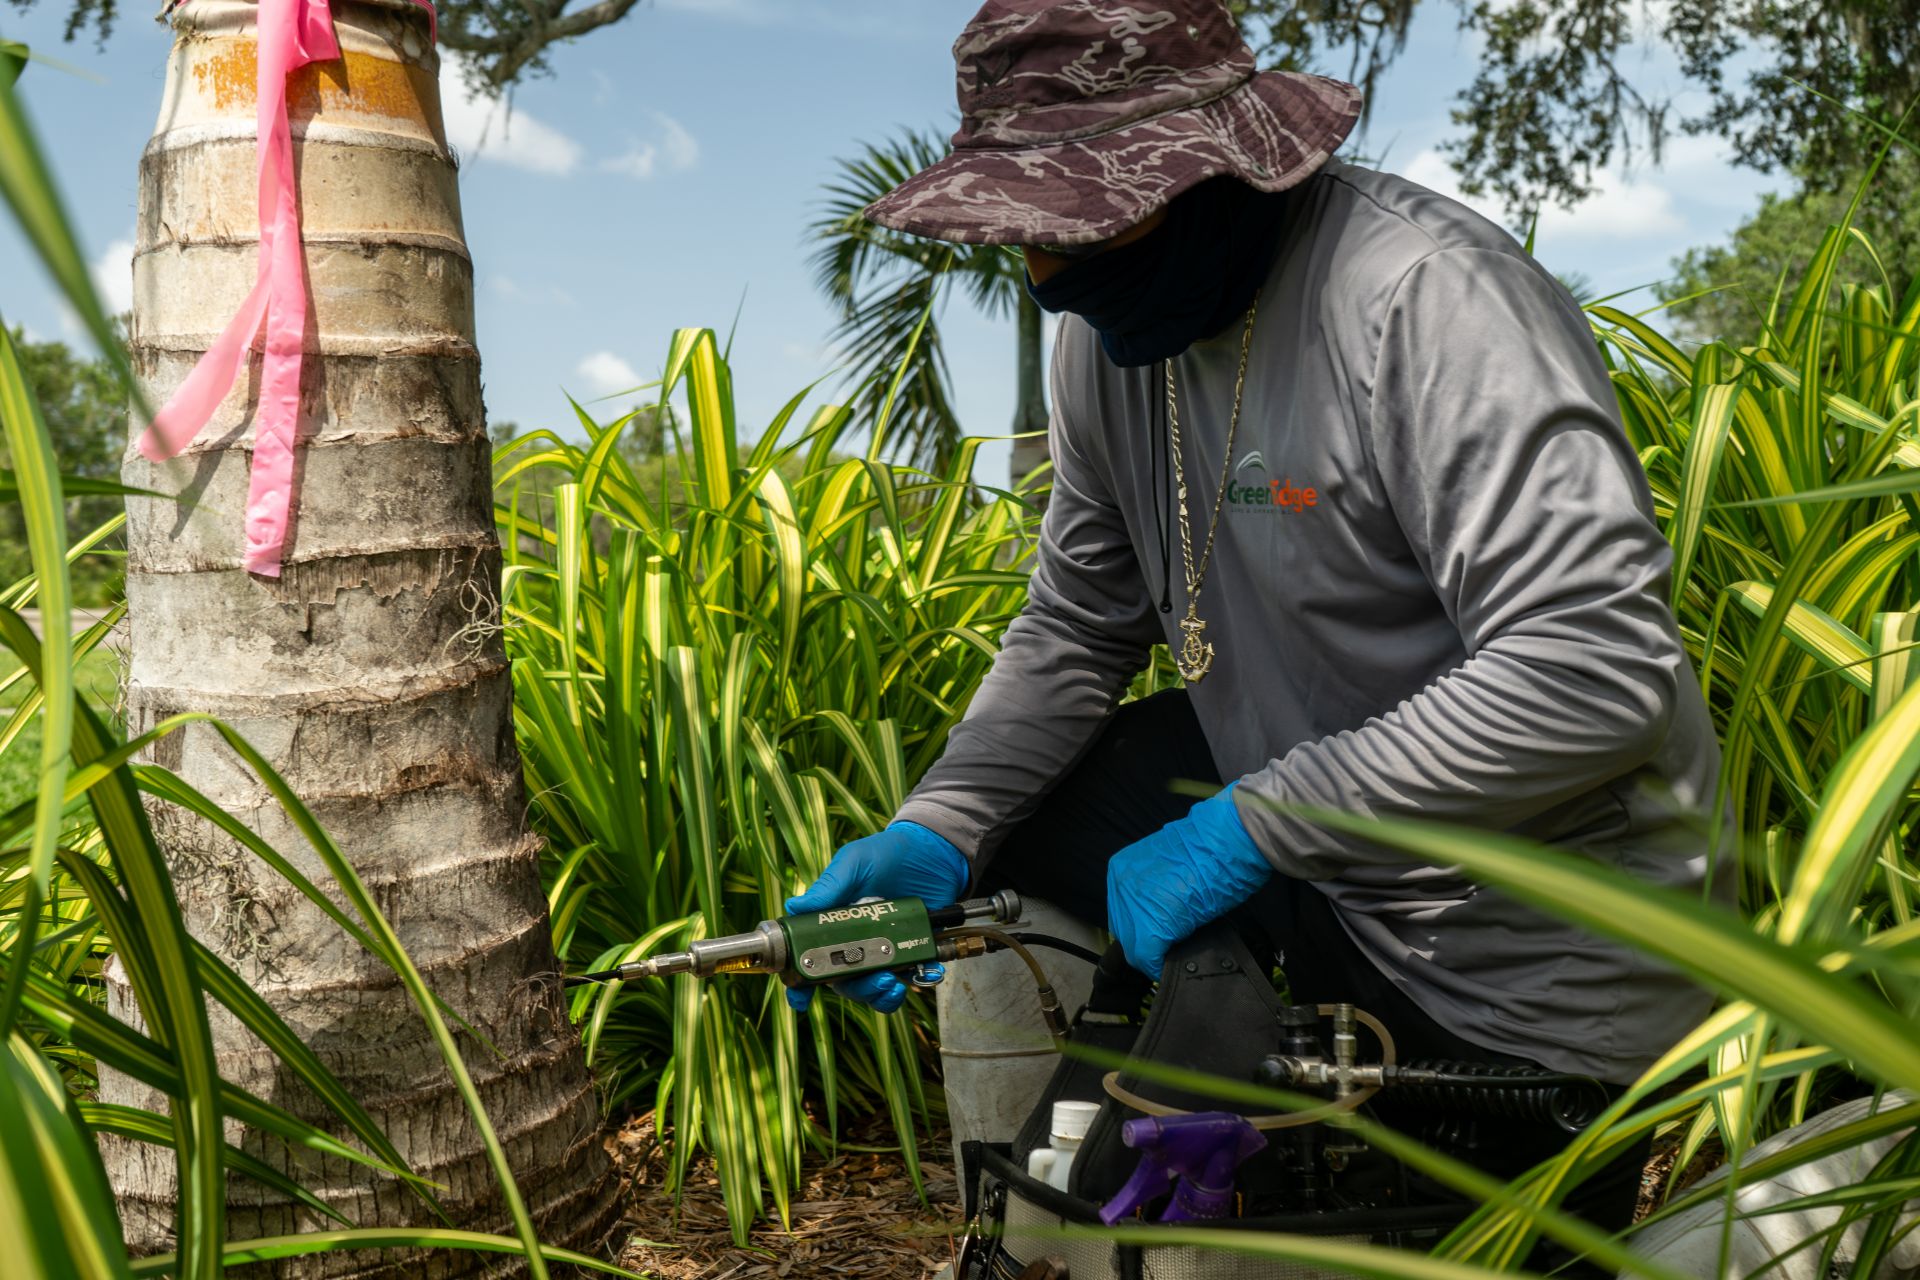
[(1081, 117)]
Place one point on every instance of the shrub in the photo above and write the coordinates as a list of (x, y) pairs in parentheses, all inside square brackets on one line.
[(717, 683)]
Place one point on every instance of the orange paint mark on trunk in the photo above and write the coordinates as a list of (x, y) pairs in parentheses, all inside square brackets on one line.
[(357, 89)]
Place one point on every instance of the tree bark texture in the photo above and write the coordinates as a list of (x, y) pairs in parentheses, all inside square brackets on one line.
[(372, 673)]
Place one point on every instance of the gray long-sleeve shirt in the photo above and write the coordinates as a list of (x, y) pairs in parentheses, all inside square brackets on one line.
[(1437, 590)]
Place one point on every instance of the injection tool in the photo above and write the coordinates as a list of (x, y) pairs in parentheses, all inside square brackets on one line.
[(813, 947)]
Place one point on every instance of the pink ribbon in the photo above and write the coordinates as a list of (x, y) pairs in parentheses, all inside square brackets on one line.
[(292, 33)]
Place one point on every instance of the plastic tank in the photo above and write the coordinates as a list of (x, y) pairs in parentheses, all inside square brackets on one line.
[(994, 1051)]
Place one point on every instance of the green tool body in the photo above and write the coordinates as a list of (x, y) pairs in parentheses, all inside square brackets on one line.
[(825, 946), (859, 938)]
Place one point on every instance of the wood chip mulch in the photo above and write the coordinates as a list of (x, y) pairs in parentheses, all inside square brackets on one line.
[(1654, 1180), (854, 1216)]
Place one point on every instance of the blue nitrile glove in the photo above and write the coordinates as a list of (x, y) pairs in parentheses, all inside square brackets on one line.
[(905, 861), (1186, 874)]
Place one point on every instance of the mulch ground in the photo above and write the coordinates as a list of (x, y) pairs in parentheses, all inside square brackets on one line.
[(855, 1215), (1654, 1188)]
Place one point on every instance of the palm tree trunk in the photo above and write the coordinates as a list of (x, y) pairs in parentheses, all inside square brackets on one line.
[(1030, 408), (371, 673)]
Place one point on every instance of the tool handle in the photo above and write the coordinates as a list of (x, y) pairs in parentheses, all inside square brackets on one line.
[(1003, 907)]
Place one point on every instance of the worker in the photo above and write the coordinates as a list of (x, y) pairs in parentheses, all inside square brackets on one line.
[(1352, 454)]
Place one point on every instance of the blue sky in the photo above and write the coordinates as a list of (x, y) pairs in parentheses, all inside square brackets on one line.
[(669, 167)]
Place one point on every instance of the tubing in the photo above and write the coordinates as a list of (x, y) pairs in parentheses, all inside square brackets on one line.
[(1052, 943), (1287, 1120), (1498, 1091), (1050, 1012)]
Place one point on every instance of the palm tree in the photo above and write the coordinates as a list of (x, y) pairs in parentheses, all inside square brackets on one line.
[(885, 281), (371, 673)]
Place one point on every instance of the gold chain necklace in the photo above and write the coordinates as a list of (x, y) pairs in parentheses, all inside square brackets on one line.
[(1195, 657)]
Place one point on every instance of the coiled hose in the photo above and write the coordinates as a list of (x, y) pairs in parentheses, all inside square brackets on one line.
[(1498, 1091)]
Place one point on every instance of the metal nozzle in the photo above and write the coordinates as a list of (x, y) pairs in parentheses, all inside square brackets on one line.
[(763, 950), (660, 966)]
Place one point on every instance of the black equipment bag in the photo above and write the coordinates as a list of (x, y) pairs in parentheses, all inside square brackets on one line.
[(1215, 1013)]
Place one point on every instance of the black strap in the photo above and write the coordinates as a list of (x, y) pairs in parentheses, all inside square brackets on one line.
[(970, 1178)]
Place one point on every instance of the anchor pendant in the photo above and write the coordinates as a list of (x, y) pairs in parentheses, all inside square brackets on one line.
[(1196, 655)]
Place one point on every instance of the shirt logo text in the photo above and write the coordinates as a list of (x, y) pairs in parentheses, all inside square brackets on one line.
[(1247, 491)]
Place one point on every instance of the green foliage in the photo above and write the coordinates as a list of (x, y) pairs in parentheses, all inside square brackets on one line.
[(1553, 102), (96, 679), (1797, 612), (84, 406), (31, 196), (888, 287), (82, 875), (104, 887), (1555, 96), (727, 665), (1317, 34), (704, 714), (1785, 473), (1725, 291), (739, 676)]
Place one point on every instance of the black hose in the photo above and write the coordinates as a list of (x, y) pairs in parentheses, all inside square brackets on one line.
[(1052, 943), (1415, 1075), (1497, 1090)]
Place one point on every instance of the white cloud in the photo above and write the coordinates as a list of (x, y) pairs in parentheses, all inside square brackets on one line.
[(673, 147), (681, 149), (1654, 17), (1685, 152), (113, 276), (512, 290), (1715, 181), (487, 129), (1621, 207), (607, 374), (636, 162)]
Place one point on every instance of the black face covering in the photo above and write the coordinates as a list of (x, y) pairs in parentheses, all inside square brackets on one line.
[(1186, 280)]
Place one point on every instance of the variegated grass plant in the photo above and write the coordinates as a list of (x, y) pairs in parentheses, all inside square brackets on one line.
[(81, 875), (722, 674)]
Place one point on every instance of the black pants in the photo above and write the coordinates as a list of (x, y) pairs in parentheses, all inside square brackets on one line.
[(1122, 790)]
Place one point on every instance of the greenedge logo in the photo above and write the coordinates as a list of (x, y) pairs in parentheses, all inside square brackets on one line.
[(1248, 491)]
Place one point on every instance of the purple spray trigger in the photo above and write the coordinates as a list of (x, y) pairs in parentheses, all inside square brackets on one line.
[(1198, 1153)]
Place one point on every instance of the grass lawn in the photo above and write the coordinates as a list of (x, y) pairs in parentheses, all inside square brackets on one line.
[(99, 680)]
